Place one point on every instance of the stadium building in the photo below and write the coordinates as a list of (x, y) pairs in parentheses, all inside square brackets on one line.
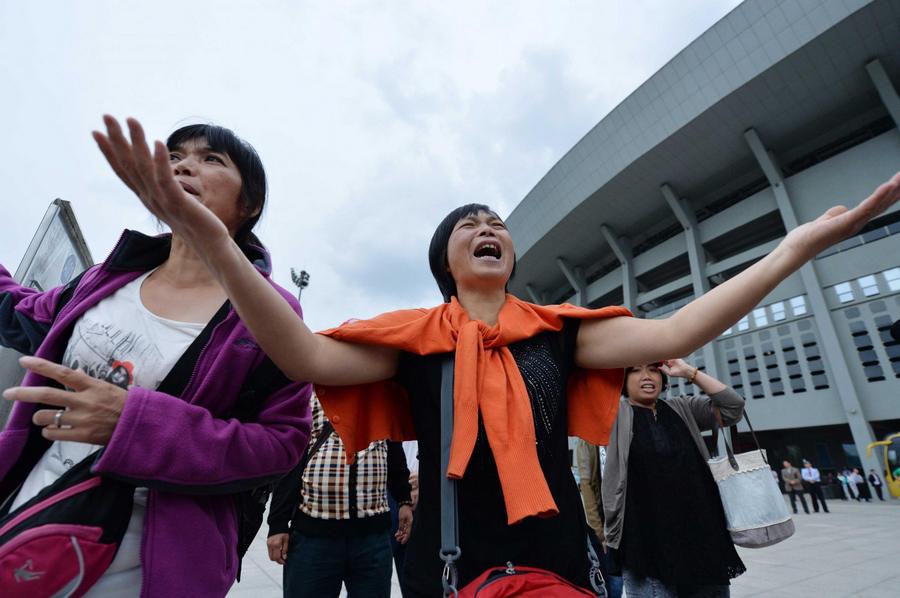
[(779, 111)]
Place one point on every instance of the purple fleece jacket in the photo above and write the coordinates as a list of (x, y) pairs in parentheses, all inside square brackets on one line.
[(168, 443)]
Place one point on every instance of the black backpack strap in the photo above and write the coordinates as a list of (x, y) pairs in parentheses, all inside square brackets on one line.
[(264, 380), (288, 490), (327, 430), (66, 294), (450, 550), (250, 505)]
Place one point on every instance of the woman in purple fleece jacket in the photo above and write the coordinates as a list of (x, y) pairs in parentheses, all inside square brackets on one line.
[(153, 314)]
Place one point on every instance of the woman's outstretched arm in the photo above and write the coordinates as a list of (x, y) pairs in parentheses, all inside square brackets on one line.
[(621, 342), (282, 334)]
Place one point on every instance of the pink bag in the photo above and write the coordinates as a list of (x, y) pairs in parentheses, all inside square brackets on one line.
[(61, 542)]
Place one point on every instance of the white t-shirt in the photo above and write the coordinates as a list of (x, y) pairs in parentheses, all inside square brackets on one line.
[(411, 450), (120, 341)]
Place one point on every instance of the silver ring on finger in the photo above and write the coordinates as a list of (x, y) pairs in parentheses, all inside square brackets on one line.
[(57, 419)]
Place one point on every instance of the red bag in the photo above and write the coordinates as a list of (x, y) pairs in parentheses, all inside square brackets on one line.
[(527, 582)]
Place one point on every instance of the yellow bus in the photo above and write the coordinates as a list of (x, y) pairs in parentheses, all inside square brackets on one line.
[(891, 457)]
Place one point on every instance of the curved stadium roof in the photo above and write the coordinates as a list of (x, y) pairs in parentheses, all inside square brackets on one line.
[(792, 70)]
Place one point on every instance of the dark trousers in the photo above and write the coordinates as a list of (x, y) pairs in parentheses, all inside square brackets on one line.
[(794, 494), (815, 493), (878, 492), (316, 567)]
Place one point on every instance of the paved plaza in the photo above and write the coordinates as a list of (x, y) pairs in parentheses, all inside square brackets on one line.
[(853, 551)]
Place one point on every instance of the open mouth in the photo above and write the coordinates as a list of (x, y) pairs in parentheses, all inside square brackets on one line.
[(189, 189), (488, 250), (648, 387)]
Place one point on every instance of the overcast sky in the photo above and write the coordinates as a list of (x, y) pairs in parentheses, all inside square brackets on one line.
[(373, 119)]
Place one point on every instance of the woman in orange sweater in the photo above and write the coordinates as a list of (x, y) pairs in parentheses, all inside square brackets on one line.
[(521, 372)]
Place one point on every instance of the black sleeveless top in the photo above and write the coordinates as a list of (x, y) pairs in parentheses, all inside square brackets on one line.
[(559, 543)]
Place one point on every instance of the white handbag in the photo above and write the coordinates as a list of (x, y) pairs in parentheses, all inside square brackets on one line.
[(755, 511)]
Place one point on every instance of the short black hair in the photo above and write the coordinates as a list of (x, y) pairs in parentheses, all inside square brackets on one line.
[(253, 175), (629, 369), (437, 251)]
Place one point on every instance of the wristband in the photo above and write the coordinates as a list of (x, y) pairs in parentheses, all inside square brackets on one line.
[(404, 503), (691, 379)]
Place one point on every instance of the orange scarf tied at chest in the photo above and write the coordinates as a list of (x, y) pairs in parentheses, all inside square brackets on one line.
[(486, 380)]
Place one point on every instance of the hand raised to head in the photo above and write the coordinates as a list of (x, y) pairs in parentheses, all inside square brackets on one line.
[(151, 177), (677, 368)]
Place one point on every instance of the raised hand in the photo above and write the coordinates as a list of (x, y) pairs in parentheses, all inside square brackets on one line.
[(838, 223), (89, 415), (677, 368), (152, 179)]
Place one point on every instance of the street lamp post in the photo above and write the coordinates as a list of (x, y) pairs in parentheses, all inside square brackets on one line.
[(301, 280)]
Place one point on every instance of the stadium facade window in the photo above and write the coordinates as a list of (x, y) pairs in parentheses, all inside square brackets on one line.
[(868, 357), (759, 317), (778, 311), (891, 347), (869, 285), (773, 370), (734, 369), (844, 292), (743, 324), (798, 305), (892, 277)]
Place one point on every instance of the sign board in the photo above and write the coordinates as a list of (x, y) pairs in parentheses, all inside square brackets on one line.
[(56, 255)]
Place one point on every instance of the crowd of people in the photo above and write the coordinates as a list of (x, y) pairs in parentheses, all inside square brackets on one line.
[(201, 316), (849, 484)]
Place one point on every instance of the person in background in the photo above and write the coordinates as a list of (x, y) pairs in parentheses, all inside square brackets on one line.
[(793, 483), (657, 489), (329, 522), (835, 482), (591, 461), (851, 484), (813, 483), (411, 450), (876, 482), (845, 485), (862, 488)]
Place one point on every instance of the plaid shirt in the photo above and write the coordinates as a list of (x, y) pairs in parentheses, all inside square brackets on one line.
[(327, 476)]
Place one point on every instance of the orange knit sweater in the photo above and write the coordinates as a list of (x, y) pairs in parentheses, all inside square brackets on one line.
[(486, 379)]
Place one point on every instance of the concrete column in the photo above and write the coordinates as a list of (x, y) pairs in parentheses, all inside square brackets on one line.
[(885, 89), (697, 257), (621, 246), (536, 296), (576, 278), (840, 371)]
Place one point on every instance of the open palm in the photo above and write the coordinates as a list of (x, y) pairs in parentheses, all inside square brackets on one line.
[(152, 179), (838, 223)]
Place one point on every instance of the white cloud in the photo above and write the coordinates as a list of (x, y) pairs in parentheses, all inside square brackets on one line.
[(373, 119)]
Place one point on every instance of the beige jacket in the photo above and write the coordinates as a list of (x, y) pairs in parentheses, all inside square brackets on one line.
[(588, 458), (792, 479)]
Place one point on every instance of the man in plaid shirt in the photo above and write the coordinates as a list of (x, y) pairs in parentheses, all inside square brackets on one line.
[(330, 523)]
